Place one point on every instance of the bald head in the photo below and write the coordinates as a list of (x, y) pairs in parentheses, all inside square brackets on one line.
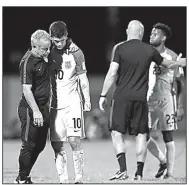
[(135, 30)]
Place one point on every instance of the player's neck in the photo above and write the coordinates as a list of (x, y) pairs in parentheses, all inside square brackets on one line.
[(134, 36), (161, 48)]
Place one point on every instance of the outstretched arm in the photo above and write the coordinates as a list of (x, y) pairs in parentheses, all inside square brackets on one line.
[(181, 62)]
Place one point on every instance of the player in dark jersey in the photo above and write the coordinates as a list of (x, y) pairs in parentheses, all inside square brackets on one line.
[(130, 63), (33, 110), (70, 97)]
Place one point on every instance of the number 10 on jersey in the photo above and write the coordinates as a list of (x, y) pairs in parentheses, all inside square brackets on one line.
[(59, 74)]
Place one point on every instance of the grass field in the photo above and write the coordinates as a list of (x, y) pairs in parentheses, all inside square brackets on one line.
[(100, 163)]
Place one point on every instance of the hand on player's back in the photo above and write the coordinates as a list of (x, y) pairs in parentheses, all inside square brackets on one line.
[(73, 47), (37, 118)]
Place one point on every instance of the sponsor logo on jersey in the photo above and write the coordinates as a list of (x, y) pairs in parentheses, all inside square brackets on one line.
[(68, 64)]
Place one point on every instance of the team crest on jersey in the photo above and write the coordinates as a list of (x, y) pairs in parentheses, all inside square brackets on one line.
[(68, 64)]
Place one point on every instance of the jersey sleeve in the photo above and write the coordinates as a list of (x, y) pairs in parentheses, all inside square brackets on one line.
[(115, 55), (80, 62), (156, 57), (26, 72)]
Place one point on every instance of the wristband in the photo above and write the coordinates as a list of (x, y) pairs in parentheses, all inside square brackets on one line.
[(102, 96)]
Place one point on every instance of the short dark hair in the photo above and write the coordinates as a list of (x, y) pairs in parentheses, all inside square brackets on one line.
[(58, 29), (165, 28)]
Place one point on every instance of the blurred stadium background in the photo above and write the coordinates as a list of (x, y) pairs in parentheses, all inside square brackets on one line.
[(95, 30)]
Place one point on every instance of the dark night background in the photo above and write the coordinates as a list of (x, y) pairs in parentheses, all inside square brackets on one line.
[(94, 29)]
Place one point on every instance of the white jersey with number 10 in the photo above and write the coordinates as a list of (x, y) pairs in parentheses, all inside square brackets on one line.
[(66, 67)]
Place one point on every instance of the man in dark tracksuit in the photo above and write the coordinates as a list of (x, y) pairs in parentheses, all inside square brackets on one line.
[(33, 108)]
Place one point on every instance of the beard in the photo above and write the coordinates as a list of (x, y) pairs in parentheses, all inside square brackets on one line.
[(155, 44)]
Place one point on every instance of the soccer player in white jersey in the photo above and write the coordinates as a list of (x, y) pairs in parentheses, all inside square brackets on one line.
[(163, 110), (70, 97)]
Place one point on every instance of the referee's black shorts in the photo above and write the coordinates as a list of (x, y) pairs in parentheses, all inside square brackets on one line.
[(129, 115), (29, 132)]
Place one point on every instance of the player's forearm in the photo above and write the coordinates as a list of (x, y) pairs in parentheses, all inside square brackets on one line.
[(173, 64), (108, 82), (181, 92), (181, 100), (29, 97), (85, 86)]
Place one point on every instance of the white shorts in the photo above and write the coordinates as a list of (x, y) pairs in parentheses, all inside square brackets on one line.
[(67, 122), (162, 114)]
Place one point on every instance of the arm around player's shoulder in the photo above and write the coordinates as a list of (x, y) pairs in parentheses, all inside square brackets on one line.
[(78, 54), (156, 57), (79, 58), (179, 72)]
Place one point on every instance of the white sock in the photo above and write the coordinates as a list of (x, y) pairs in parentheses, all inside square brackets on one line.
[(170, 146), (21, 182), (155, 150), (61, 166), (78, 159), (141, 147)]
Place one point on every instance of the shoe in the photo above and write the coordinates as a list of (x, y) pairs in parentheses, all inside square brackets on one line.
[(64, 181), (162, 168), (79, 179), (168, 177), (137, 177), (120, 175), (27, 181), (78, 182)]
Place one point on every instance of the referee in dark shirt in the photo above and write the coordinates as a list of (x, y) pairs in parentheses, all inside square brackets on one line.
[(33, 107), (130, 64)]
